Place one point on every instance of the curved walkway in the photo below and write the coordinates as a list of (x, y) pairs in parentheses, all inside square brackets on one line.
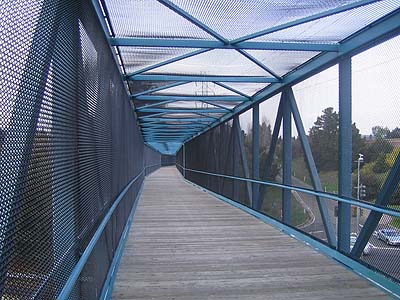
[(185, 244)]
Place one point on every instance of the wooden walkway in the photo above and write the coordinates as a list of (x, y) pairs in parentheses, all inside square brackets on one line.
[(185, 244)]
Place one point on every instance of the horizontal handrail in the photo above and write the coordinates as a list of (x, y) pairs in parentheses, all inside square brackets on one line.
[(377, 279), (152, 166), (373, 207), (73, 277)]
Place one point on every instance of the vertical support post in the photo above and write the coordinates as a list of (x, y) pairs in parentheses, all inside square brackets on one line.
[(256, 156), (235, 161), (244, 160), (184, 161), (345, 154), (271, 152), (287, 159)]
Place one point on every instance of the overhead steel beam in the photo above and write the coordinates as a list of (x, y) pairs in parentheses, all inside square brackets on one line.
[(168, 61), (207, 115), (155, 104), (190, 98), (181, 110), (217, 105), (158, 125), (149, 118), (232, 90), (184, 131), (160, 88), (307, 19), (260, 64), (377, 32), (210, 44), (204, 78), (164, 139), (165, 135), (152, 115), (193, 20)]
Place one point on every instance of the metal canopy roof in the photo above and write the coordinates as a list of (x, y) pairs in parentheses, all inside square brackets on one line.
[(192, 64)]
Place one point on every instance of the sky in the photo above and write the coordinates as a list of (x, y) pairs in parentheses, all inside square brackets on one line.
[(375, 91)]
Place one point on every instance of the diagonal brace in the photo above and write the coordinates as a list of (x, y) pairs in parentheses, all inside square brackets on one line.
[(328, 226)]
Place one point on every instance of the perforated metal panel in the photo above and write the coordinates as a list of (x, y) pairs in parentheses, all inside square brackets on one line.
[(69, 145)]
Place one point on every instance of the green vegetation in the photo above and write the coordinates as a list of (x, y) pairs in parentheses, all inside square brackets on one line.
[(329, 179), (272, 206)]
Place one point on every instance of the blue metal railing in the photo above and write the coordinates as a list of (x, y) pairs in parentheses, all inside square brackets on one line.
[(69, 285), (372, 207), (376, 278)]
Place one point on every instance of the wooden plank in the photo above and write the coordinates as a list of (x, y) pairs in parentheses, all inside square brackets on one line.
[(185, 244)]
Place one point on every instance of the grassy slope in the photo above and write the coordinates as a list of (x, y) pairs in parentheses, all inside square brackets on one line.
[(272, 205), (328, 178)]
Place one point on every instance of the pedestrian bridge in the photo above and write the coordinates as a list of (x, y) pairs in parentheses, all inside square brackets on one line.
[(216, 149)]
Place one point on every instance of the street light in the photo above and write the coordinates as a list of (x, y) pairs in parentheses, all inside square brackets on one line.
[(359, 161)]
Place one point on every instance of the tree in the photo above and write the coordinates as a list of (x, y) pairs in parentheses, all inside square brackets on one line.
[(377, 147), (324, 140), (380, 132), (370, 179), (380, 165), (324, 137), (265, 134), (394, 134)]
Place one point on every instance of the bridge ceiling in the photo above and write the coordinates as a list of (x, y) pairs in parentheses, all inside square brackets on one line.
[(190, 65)]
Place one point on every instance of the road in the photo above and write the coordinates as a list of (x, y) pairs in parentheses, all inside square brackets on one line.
[(317, 227), (383, 257)]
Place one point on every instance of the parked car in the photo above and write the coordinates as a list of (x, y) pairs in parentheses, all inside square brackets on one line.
[(389, 236), (367, 249)]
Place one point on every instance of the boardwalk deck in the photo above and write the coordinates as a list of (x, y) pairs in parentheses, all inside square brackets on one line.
[(185, 244)]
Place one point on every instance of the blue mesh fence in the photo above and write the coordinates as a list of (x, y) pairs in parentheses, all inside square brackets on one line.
[(69, 146)]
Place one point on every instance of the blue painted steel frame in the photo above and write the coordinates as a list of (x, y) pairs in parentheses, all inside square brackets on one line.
[(210, 44), (256, 156), (157, 89), (232, 98), (204, 78), (271, 151), (377, 32), (181, 110), (334, 197), (243, 157), (323, 209), (233, 90), (345, 154), (193, 20), (300, 21), (287, 159)]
